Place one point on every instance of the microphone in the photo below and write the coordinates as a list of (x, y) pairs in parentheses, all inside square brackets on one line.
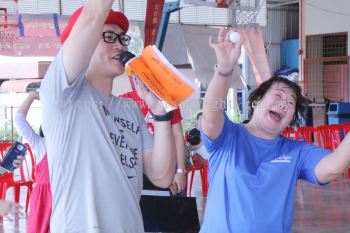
[(125, 57)]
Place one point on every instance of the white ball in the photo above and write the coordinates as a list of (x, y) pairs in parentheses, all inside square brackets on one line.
[(235, 37)]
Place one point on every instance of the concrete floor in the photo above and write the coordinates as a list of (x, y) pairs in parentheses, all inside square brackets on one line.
[(323, 209), (317, 209)]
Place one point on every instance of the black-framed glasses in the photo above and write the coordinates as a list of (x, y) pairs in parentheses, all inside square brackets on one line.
[(112, 37)]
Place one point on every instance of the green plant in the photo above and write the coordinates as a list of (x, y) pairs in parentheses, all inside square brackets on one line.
[(236, 117), (6, 132), (191, 122)]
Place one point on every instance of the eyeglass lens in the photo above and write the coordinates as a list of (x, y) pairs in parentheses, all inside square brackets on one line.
[(112, 37)]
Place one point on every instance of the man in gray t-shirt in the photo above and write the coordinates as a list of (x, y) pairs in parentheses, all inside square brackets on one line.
[(99, 145)]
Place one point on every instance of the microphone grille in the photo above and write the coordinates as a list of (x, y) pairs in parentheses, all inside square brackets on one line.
[(125, 57)]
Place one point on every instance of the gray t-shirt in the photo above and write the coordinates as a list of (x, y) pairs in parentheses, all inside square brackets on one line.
[(95, 145)]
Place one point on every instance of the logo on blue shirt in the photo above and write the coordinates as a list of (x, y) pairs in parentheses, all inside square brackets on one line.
[(282, 159)]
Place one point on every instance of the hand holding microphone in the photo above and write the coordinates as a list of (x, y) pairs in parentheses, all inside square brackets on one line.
[(141, 89), (153, 102)]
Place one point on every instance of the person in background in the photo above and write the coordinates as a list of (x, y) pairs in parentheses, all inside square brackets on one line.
[(40, 199), (252, 168), (179, 181), (98, 146), (197, 148)]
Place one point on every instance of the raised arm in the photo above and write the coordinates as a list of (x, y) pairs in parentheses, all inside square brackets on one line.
[(25, 106), (84, 37), (159, 162), (335, 163), (227, 54), (36, 142)]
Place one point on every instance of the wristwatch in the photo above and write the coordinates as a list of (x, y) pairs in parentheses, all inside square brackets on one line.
[(226, 74), (165, 117)]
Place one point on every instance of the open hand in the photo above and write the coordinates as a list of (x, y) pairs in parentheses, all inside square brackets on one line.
[(227, 53), (11, 210)]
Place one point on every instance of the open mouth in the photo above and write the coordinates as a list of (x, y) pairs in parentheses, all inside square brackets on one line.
[(275, 115)]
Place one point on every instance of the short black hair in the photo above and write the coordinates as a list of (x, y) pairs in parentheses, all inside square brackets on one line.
[(301, 100), (41, 133), (194, 137)]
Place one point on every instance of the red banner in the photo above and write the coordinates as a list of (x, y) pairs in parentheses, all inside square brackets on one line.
[(33, 35), (153, 17), (32, 47)]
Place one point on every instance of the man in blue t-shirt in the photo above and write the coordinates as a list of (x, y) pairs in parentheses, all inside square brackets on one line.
[(253, 170)]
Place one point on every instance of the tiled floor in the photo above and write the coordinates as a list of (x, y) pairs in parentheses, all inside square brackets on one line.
[(317, 209)]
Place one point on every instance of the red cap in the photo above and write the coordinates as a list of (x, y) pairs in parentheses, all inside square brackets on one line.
[(114, 17)]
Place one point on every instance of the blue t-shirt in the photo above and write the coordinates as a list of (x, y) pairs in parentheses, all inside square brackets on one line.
[(252, 180)]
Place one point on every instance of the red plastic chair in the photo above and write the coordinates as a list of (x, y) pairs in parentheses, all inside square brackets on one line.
[(346, 128), (203, 171), (305, 134), (26, 179), (198, 160), (328, 136), (289, 133)]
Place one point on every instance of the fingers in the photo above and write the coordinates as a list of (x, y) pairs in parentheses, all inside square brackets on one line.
[(220, 38), (180, 181), (184, 182), (15, 211), (221, 35), (37, 96), (240, 42), (34, 95), (179, 189), (10, 218), (140, 87), (140, 84), (18, 210), (17, 162), (173, 188), (11, 210), (211, 42)]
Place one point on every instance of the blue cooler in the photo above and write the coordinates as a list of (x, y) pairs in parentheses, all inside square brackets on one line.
[(338, 113)]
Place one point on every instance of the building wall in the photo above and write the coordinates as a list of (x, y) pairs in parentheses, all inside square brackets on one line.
[(324, 16)]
